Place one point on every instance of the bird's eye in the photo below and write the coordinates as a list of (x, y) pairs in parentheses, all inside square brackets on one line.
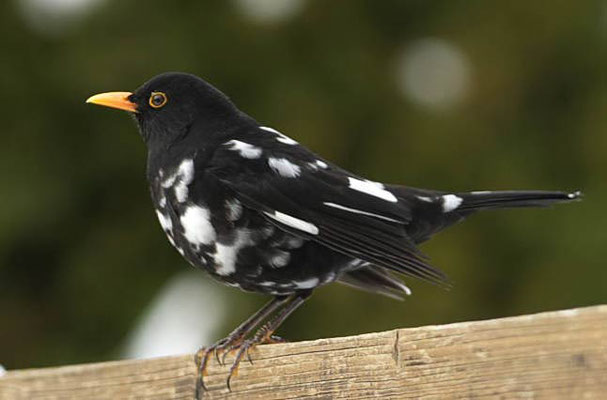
[(157, 99)]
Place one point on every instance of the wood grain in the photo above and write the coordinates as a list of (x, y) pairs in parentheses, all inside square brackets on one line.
[(552, 355)]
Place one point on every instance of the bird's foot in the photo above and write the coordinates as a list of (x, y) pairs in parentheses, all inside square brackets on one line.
[(263, 336), (204, 354), (236, 346)]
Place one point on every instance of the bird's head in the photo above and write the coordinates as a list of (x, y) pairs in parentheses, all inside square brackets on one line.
[(168, 105)]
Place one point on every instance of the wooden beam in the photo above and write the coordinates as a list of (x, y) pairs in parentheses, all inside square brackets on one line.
[(553, 355)]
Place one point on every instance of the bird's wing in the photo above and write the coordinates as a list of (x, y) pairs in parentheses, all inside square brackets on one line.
[(307, 196)]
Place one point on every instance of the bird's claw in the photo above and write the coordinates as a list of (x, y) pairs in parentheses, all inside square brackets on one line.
[(263, 336), (203, 355)]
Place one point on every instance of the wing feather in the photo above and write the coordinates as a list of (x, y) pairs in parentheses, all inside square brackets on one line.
[(377, 234)]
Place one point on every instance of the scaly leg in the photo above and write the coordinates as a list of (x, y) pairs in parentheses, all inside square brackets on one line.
[(233, 339), (265, 333)]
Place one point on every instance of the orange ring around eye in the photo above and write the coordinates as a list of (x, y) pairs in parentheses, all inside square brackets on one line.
[(157, 99)]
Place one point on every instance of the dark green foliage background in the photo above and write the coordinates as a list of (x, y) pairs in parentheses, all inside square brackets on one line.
[(81, 252)]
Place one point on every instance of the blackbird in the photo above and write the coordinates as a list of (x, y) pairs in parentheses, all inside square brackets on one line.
[(260, 212)]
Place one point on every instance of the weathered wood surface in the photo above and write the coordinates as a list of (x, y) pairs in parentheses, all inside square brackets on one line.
[(553, 355)]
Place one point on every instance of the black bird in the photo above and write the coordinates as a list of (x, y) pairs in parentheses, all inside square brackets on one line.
[(260, 212)]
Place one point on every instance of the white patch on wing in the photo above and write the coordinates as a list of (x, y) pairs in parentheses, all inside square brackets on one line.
[(307, 284), (233, 209), (165, 221), (197, 227), (372, 189), (246, 150), (185, 176), (163, 201), (451, 202), (280, 259), (293, 222), (481, 192), (280, 137), (226, 254), (424, 198), (361, 212), (284, 167), (315, 165)]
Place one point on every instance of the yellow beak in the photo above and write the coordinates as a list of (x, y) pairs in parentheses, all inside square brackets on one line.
[(119, 100)]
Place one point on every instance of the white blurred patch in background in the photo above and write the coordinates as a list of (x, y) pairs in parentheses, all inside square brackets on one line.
[(55, 17), (269, 11), (184, 316), (434, 73), (2, 371)]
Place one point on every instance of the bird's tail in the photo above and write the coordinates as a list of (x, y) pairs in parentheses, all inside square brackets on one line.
[(473, 201), (433, 211)]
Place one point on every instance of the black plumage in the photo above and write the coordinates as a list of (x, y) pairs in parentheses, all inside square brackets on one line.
[(258, 211)]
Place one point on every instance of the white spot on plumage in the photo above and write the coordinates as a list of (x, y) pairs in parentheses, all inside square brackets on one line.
[(284, 167), (280, 137), (180, 250), (171, 240), (162, 202), (372, 189), (293, 222), (426, 199), (267, 231), (481, 192), (233, 209), (165, 221), (246, 150), (317, 164), (294, 242), (168, 182), (268, 129), (226, 254), (307, 284), (405, 289), (451, 202), (267, 283), (185, 176), (330, 277), (361, 212), (280, 259), (197, 227)]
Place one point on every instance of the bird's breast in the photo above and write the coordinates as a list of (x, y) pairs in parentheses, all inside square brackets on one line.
[(214, 231)]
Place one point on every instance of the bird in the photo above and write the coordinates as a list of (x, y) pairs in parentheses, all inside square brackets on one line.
[(260, 212)]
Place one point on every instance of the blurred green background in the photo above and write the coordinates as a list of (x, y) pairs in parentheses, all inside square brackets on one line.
[(454, 95)]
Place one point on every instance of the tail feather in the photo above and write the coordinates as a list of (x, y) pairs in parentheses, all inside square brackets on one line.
[(472, 201), (375, 279), (433, 211)]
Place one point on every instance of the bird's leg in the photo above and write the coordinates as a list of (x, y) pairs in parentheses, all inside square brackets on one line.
[(265, 334), (235, 337)]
